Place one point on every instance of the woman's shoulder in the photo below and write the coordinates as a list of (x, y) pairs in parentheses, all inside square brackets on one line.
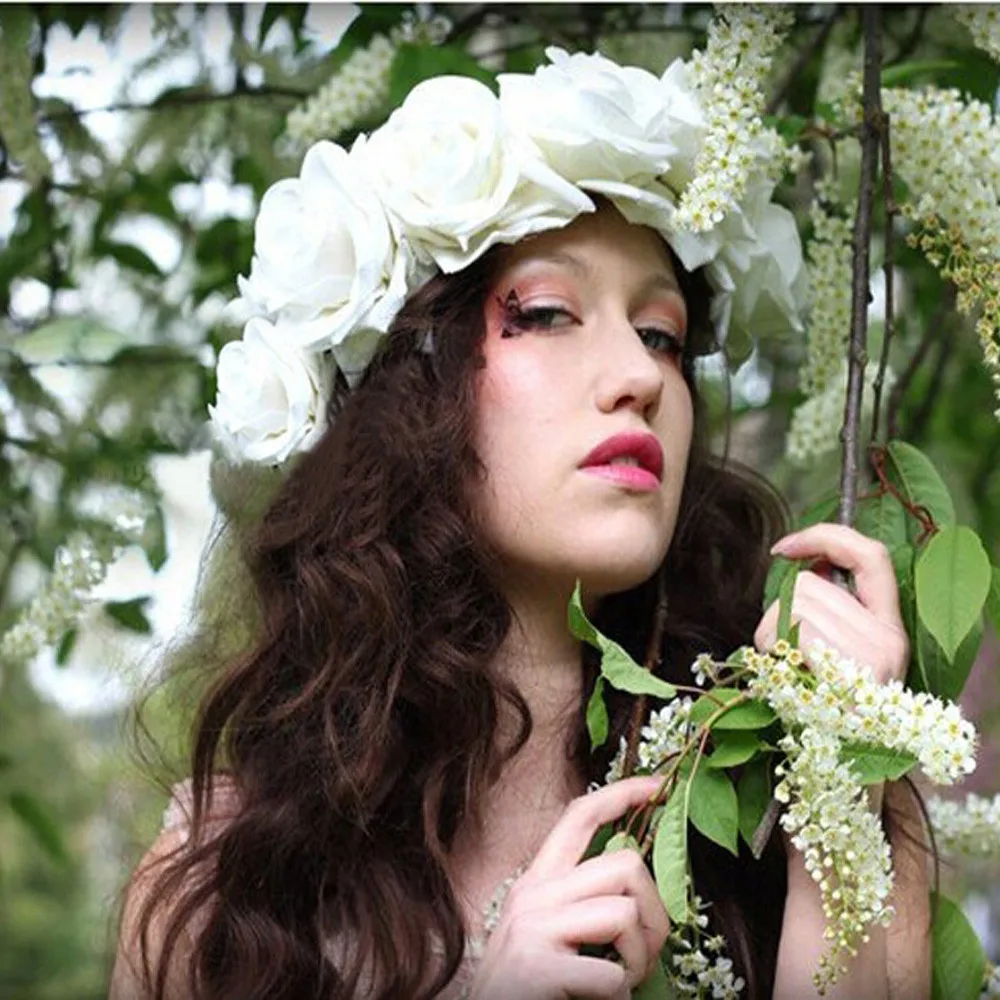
[(223, 806), (141, 894)]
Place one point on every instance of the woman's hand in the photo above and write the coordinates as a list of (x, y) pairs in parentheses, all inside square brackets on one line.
[(561, 903), (867, 627)]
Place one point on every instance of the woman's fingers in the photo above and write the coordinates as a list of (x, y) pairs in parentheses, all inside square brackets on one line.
[(867, 560), (620, 873), (828, 613), (584, 816)]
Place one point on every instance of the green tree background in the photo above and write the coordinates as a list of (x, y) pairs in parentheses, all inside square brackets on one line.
[(121, 232)]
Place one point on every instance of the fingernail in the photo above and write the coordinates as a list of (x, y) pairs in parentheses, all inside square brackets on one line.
[(783, 545)]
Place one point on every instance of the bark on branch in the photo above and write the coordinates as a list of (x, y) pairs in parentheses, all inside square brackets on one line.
[(871, 129)]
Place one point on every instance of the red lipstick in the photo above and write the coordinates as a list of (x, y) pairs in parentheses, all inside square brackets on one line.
[(643, 466)]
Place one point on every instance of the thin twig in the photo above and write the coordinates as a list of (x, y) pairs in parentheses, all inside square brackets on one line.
[(176, 100), (888, 267), (856, 358), (805, 56), (653, 654), (909, 44), (931, 331), (915, 429)]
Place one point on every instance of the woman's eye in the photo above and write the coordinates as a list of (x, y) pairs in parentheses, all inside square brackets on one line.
[(539, 318), (661, 341)]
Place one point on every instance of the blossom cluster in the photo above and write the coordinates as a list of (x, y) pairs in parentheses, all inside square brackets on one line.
[(816, 422), (732, 69), (664, 736), (354, 93), (695, 973), (970, 826), (360, 88), (991, 982), (829, 263), (976, 276), (841, 698), (455, 170), (79, 566), (841, 841), (983, 22)]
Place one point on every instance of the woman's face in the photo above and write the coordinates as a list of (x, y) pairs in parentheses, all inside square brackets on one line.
[(584, 415)]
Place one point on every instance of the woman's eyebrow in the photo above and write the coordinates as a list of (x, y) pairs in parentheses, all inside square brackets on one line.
[(660, 282)]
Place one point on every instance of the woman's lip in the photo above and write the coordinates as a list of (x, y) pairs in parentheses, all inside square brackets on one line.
[(632, 477), (641, 446)]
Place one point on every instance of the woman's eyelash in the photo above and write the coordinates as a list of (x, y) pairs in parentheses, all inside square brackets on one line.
[(657, 339), (518, 320)]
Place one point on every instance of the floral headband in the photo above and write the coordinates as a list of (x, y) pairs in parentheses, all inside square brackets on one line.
[(455, 170)]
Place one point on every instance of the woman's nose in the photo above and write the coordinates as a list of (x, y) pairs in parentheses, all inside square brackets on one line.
[(630, 375)]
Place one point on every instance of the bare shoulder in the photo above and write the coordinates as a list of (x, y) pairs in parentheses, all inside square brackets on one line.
[(127, 979)]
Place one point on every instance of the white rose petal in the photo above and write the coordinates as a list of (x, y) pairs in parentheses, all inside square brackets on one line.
[(325, 258), (593, 119), (271, 395), (456, 179)]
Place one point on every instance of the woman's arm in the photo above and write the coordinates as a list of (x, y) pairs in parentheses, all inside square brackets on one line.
[(866, 625), (895, 964)]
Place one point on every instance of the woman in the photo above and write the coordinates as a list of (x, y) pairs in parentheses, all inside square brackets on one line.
[(401, 810)]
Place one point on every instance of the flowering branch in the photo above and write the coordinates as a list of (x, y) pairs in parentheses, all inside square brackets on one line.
[(871, 18), (888, 266)]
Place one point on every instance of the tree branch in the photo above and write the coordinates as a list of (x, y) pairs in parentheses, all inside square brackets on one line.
[(888, 268), (807, 53), (178, 100), (857, 357)]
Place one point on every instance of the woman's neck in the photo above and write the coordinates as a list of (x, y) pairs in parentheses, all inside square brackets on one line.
[(543, 660)]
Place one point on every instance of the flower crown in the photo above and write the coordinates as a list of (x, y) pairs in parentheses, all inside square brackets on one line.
[(455, 170)]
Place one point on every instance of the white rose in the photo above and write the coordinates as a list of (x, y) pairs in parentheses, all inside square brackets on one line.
[(456, 179), (271, 396), (325, 258), (593, 119)]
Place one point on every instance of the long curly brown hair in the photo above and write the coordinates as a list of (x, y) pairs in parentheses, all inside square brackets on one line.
[(361, 725)]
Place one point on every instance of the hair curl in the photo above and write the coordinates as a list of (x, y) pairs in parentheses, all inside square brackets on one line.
[(361, 726)]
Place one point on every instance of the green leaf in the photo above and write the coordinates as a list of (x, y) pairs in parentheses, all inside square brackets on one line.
[(597, 715), (780, 568), (875, 764), (621, 841), (65, 648), (68, 339), (617, 667), (953, 578), (40, 824), (958, 962), (154, 541), (670, 854), (786, 594), (937, 674), (824, 510), (714, 809), (907, 72), (599, 841), (902, 557), (415, 63), (752, 714), (656, 986), (992, 606), (130, 614), (882, 518), (732, 747), (913, 473), (130, 256), (753, 790)]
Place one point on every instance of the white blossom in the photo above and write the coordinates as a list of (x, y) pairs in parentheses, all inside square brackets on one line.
[(983, 22), (970, 826), (816, 422), (80, 564), (730, 75)]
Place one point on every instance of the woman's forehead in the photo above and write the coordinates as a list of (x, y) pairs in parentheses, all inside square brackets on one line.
[(591, 240)]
